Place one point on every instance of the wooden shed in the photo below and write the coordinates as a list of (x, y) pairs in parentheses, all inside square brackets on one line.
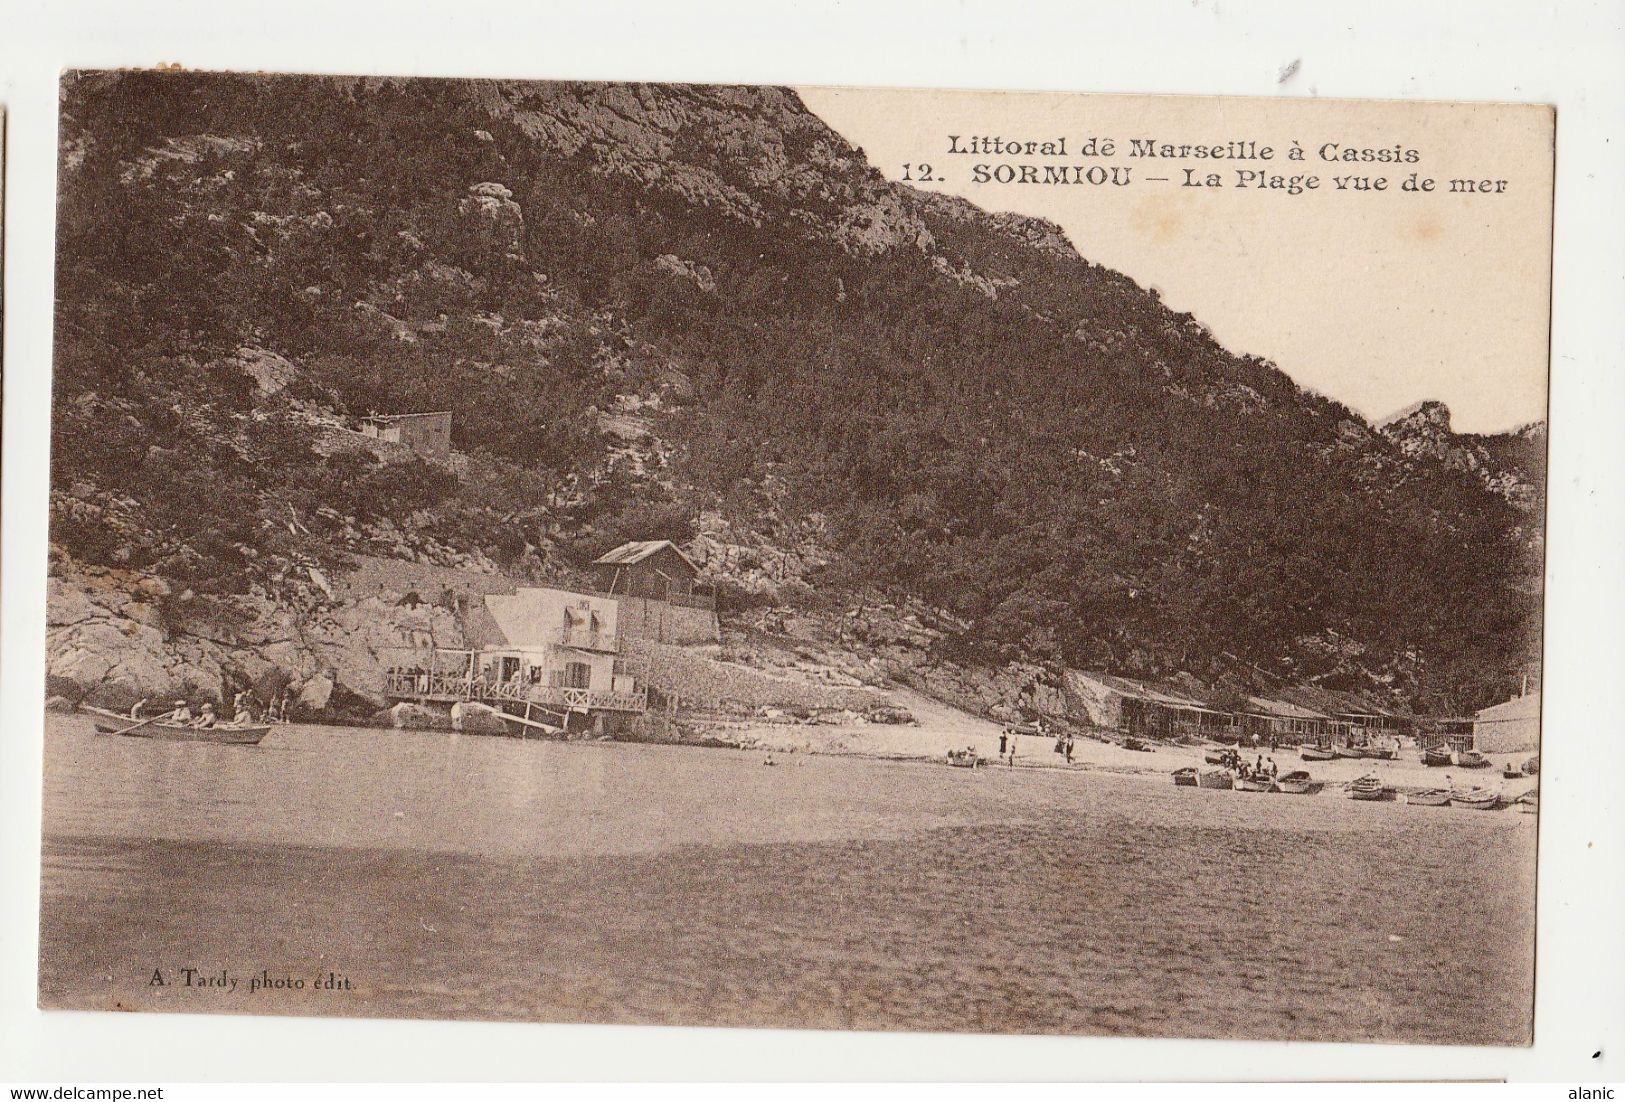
[(656, 569)]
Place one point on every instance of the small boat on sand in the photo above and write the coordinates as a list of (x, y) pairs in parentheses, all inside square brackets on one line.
[(1476, 799), (965, 759), (1186, 777), (1529, 802), (1472, 759), (1511, 772), (1438, 755), (111, 723), (1316, 753), (1253, 784), (1298, 783), (1369, 787), (1432, 797), (1381, 753), (1348, 752), (1132, 743), (1217, 757), (1215, 778)]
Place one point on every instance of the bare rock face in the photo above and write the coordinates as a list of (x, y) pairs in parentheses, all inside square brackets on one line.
[(109, 643), (495, 218), (270, 371), (104, 645), (698, 274)]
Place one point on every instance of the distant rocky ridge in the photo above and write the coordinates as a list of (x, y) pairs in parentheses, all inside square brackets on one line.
[(1509, 464)]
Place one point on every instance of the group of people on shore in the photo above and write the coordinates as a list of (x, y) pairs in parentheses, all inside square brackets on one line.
[(1009, 739), (242, 712), (1261, 767)]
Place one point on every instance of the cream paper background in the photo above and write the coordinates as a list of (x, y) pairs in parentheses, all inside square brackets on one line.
[(1377, 299), (1566, 55)]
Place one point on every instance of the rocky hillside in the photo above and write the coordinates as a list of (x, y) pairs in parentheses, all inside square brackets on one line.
[(698, 313)]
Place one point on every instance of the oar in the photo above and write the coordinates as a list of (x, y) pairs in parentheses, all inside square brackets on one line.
[(133, 726)]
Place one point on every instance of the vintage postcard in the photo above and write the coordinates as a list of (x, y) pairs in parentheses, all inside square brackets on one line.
[(817, 558)]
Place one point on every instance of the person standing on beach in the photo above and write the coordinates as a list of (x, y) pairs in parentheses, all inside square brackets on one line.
[(1012, 751), (1004, 741), (1069, 749)]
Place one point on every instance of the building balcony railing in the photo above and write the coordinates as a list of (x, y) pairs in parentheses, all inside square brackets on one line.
[(587, 700), (413, 685)]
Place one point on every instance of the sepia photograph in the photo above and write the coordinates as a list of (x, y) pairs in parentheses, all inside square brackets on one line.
[(799, 558)]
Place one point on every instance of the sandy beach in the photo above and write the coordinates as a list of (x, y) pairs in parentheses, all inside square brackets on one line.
[(942, 728)]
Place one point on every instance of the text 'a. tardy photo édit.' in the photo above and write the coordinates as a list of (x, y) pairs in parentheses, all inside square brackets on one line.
[(809, 558)]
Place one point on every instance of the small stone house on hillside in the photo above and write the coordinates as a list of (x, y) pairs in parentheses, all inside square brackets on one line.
[(427, 434), (655, 569)]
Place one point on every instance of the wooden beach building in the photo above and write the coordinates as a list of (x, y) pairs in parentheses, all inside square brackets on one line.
[(1137, 708), (1287, 722), (654, 569)]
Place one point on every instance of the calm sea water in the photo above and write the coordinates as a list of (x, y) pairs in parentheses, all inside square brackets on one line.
[(428, 875)]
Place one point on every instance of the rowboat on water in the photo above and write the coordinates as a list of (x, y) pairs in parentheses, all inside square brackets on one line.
[(111, 723), (1477, 799), (1298, 783), (1438, 755), (1369, 787), (1472, 759), (1253, 784), (1316, 753), (1432, 797)]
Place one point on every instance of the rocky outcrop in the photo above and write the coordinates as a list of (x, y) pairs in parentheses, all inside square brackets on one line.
[(691, 679), (1423, 432), (114, 637)]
